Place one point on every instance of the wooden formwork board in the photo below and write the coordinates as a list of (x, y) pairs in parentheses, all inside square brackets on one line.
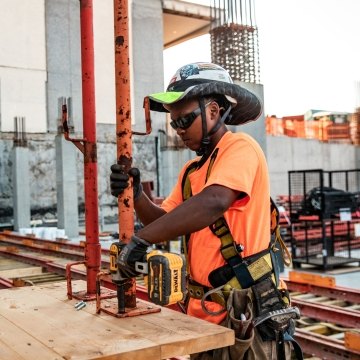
[(309, 278), (39, 322), (352, 340)]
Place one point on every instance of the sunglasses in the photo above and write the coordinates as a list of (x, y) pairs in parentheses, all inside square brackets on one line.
[(184, 122)]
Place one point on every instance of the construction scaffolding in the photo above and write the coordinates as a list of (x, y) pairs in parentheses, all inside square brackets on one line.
[(234, 39)]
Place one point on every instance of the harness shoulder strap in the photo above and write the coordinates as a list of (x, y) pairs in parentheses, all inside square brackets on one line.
[(185, 182), (187, 192)]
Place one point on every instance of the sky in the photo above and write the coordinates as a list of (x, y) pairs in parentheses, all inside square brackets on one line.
[(309, 54)]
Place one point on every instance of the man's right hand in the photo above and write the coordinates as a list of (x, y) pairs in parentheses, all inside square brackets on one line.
[(119, 180), (131, 253)]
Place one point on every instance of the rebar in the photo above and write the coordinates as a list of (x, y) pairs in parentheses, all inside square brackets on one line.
[(19, 131), (67, 102), (234, 39)]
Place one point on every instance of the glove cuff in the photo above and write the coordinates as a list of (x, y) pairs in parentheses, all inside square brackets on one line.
[(138, 191), (139, 240)]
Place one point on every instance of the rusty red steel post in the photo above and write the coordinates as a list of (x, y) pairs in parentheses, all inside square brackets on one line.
[(92, 245), (123, 129)]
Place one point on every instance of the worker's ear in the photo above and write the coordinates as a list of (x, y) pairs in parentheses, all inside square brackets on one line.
[(214, 110)]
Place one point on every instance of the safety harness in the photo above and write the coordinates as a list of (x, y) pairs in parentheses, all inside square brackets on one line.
[(259, 271), (248, 270)]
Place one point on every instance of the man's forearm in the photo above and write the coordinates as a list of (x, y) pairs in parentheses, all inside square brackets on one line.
[(146, 210), (193, 215), (182, 220)]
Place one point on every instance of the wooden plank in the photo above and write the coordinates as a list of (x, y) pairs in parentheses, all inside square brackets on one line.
[(352, 340), (307, 278), (16, 344), (336, 302), (320, 299), (337, 336), (176, 333), (317, 328), (6, 264), (81, 334), (12, 273), (8, 353), (73, 334)]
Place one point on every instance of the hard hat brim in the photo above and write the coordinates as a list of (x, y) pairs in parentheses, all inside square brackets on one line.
[(248, 106), (167, 98), (157, 100)]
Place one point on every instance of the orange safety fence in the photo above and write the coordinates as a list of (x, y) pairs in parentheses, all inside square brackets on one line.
[(322, 130)]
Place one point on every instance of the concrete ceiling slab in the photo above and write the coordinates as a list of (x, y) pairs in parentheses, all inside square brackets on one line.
[(183, 21)]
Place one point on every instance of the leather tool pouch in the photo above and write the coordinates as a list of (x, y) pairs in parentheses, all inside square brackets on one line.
[(268, 298), (240, 318)]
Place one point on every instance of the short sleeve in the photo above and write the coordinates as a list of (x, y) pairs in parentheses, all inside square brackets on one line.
[(175, 198), (235, 167)]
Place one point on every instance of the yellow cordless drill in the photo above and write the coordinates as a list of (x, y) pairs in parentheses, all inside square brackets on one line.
[(165, 274)]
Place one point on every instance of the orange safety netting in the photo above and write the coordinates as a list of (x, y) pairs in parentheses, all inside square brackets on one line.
[(323, 130)]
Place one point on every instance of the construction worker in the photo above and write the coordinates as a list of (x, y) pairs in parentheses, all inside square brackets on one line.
[(222, 201)]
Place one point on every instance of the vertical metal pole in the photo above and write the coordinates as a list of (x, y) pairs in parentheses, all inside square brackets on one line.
[(92, 246), (123, 129)]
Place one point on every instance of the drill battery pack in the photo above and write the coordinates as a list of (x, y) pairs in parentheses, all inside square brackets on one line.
[(166, 278)]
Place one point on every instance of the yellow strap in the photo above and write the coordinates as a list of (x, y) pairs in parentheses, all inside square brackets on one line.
[(212, 160), (222, 231), (187, 193), (260, 267), (184, 244), (285, 253)]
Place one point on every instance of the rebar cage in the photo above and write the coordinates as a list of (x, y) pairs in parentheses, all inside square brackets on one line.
[(234, 39)]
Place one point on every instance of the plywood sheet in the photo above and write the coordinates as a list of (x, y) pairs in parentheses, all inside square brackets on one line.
[(26, 271), (43, 315)]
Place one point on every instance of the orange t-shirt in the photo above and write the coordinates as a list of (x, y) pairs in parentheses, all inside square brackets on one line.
[(240, 164)]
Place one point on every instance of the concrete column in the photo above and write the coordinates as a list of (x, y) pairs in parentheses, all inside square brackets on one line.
[(255, 128), (147, 71), (66, 186), (21, 187), (63, 59)]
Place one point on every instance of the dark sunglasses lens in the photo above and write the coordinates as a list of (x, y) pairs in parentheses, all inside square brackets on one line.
[(185, 121)]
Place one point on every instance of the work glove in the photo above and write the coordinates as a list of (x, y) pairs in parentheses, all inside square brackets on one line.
[(119, 180), (134, 251)]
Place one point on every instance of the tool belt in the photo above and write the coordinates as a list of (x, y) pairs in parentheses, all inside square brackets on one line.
[(251, 270), (201, 292)]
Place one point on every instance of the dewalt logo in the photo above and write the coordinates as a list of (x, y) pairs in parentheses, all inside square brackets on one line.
[(176, 280)]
